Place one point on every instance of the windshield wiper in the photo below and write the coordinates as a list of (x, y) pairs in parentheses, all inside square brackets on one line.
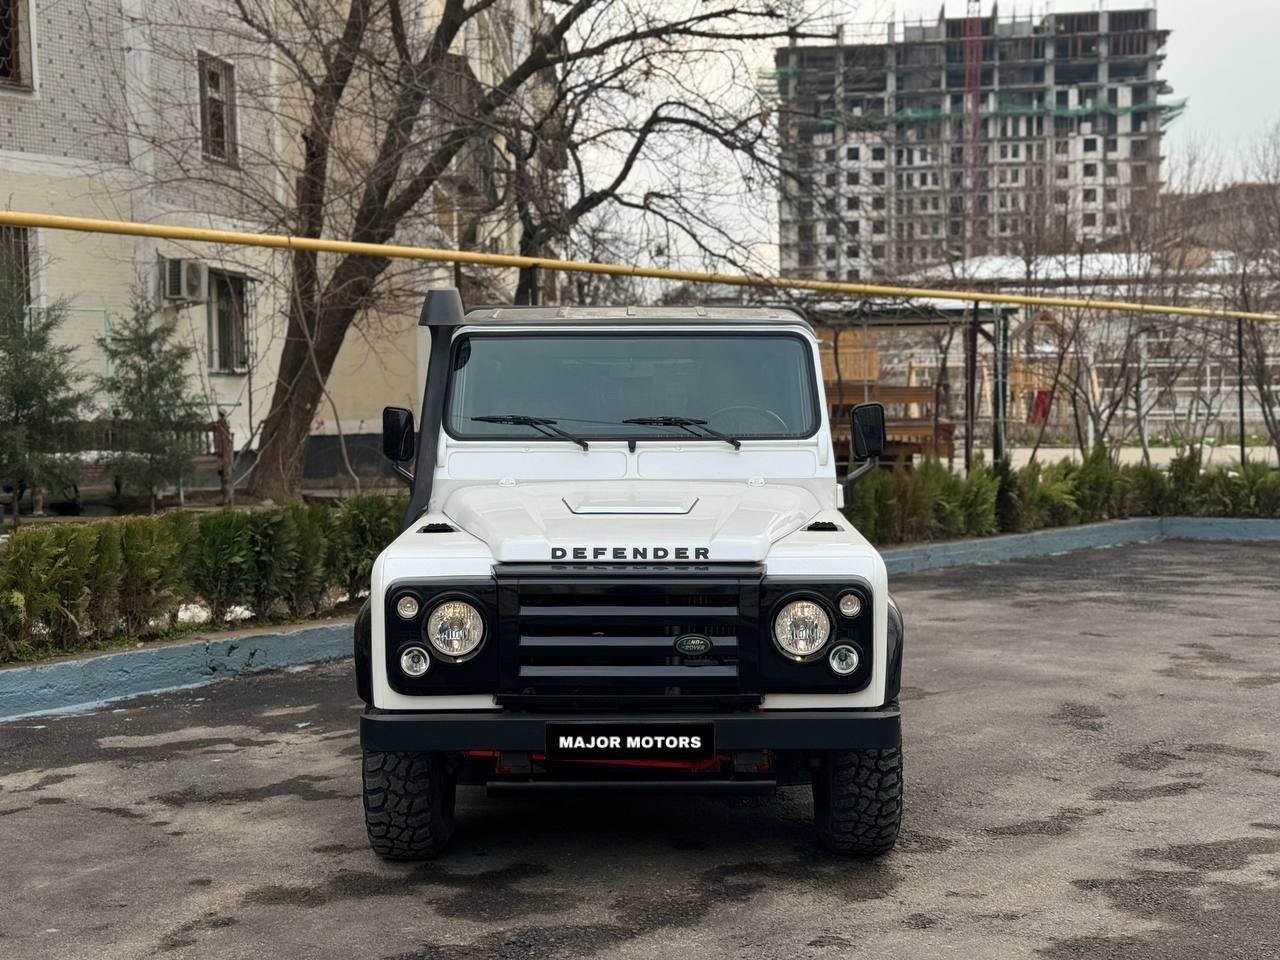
[(687, 424), (544, 426)]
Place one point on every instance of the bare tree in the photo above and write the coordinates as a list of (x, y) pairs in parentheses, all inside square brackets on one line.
[(1252, 282), (369, 111)]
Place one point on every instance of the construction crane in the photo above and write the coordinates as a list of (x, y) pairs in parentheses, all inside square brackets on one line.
[(972, 121)]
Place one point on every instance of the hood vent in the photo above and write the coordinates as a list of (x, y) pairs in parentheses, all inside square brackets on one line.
[(436, 528), (822, 526)]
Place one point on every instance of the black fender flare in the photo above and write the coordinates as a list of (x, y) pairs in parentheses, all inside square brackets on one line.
[(363, 651), (896, 638)]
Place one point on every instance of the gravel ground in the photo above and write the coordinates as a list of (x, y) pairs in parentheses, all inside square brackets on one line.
[(1093, 771)]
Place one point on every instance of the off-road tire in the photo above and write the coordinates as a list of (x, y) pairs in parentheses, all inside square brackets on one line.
[(857, 801), (408, 804)]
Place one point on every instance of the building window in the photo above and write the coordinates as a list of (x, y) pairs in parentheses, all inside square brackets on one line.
[(877, 179), (852, 178), (15, 277), (1090, 169), (831, 179), (15, 44), (830, 156), (854, 275), (1090, 196), (229, 308), (877, 226), (851, 153), (877, 154), (851, 203), (1090, 219), (217, 108)]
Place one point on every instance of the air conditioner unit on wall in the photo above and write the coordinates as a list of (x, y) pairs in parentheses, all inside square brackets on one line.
[(184, 281)]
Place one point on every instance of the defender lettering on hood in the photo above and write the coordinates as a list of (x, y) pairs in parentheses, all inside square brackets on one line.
[(631, 553)]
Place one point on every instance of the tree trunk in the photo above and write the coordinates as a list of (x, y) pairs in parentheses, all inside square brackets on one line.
[(527, 287), (305, 364)]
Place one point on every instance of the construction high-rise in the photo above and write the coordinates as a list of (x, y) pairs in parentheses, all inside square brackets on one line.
[(967, 136)]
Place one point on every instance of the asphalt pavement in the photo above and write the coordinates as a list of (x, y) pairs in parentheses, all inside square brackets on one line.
[(1092, 763)]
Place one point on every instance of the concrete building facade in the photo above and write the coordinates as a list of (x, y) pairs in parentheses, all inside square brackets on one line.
[(890, 170), (163, 111)]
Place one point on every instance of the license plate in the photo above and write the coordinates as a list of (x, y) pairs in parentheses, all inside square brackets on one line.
[(630, 741)]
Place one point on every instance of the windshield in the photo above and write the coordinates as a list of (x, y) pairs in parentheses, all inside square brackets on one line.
[(751, 386)]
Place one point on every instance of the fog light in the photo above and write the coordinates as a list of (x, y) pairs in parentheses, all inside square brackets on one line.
[(850, 605), (407, 607), (843, 660), (414, 661)]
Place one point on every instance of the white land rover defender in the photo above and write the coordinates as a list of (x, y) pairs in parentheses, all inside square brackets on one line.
[(624, 563)]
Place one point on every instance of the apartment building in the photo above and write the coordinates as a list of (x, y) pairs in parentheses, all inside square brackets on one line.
[(937, 141)]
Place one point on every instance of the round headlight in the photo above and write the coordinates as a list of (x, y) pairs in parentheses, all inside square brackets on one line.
[(455, 628), (414, 661), (407, 607), (850, 605), (801, 628)]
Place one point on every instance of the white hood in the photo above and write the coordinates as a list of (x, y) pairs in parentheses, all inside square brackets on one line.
[(631, 520)]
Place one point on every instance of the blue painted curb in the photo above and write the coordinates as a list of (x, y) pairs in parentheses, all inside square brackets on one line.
[(1042, 543), (78, 684), (1220, 528)]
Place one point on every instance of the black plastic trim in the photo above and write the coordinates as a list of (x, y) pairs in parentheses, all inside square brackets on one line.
[(475, 673), (441, 314), (896, 637), (363, 652), (780, 673), (758, 730)]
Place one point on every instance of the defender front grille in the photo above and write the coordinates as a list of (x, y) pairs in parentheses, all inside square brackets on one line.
[(573, 632)]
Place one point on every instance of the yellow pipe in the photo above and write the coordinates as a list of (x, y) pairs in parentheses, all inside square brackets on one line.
[(284, 242)]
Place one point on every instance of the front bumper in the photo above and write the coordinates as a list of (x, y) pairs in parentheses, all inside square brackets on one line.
[(527, 732)]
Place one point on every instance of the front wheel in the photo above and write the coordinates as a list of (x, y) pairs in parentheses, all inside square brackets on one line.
[(857, 801), (408, 804)]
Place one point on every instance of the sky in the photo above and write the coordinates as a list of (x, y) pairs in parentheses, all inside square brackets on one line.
[(1223, 56)]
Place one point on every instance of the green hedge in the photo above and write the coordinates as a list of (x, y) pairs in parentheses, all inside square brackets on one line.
[(929, 502), (74, 586)]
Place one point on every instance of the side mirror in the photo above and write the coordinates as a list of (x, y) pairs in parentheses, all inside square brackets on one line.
[(867, 423), (397, 434)]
